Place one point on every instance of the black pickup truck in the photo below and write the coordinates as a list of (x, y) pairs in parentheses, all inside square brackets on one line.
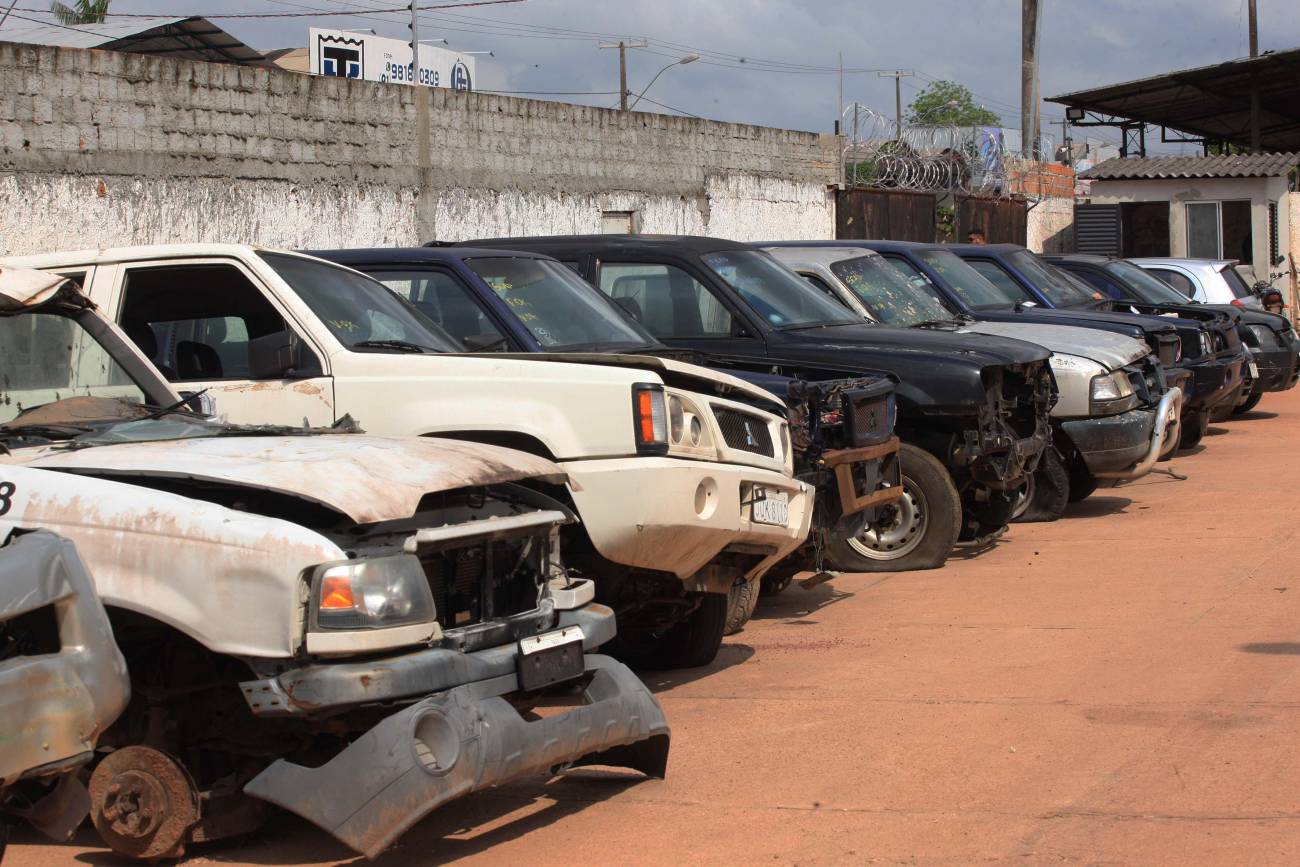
[(972, 409), (1270, 339)]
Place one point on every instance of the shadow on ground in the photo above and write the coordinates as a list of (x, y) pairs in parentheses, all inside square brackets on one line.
[(732, 652), (794, 603), (1275, 648), (463, 828), (1254, 415), (1098, 506)]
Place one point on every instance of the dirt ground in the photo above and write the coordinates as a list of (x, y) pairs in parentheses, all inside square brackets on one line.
[(1118, 687)]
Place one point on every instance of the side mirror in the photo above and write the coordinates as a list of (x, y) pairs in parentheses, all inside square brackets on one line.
[(200, 402), (275, 356)]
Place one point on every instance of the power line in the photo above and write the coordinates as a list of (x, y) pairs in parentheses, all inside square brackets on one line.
[(306, 14)]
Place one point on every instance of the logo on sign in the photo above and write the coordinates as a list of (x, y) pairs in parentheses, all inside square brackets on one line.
[(460, 76), (340, 57)]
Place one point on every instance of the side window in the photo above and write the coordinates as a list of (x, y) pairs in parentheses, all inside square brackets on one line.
[(819, 284), (667, 301), (197, 322), (1098, 281), (1006, 284), (443, 298), (1176, 280)]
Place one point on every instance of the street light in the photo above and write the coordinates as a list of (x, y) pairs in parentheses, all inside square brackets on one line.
[(690, 58)]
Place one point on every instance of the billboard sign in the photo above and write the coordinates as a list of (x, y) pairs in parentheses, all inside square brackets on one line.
[(344, 54)]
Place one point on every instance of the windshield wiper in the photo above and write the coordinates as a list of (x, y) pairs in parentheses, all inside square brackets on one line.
[(181, 405), (933, 323), (399, 345)]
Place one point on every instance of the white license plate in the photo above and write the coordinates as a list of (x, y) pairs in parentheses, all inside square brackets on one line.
[(772, 509), (1254, 370)]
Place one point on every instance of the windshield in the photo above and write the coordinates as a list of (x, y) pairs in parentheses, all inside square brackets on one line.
[(561, 310), (1145, 286), (49, 357), (1059, 287), (1235, 282), (970, 285), (361, 313), (780, 296), (887, 293)]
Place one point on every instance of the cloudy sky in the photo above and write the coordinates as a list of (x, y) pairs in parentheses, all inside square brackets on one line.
[(551, 45)]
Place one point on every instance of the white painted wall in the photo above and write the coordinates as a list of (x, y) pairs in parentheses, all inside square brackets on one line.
[(1179, 191)]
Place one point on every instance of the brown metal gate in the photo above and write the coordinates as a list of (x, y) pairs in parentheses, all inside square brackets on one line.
[(884, 215), (1003, 221)]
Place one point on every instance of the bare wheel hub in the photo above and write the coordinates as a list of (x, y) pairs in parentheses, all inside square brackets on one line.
[(143, 803), (900, 531)]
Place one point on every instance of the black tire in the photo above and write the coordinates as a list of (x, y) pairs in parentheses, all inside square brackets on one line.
[(741, 602), (689, 644), (1193, 430), (929, 493), (1082, 481), (1048, 491), (1250, 403)]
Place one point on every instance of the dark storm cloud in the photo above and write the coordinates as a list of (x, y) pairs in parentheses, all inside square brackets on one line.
[(975, 42)]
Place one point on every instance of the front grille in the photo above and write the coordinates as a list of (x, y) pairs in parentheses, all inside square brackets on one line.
[(743, 431), (456, 579), (870, 417)]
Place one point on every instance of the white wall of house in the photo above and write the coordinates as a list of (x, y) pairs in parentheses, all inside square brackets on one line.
[(1179, 191)]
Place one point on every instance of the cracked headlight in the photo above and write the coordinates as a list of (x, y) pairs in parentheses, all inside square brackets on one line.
[(373, 593)]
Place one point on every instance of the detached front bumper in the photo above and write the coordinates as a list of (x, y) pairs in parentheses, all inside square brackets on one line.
[(1213, 382), (457, 742), (1126, 446), (1278, 369), (674, 515)]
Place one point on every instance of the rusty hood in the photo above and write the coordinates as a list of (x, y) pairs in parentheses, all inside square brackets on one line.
[(368, 478), (24, 288)]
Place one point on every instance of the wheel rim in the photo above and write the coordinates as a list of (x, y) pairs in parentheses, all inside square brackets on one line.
[(900, 536), (1024, 496)]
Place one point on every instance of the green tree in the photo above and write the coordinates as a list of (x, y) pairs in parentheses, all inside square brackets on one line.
[(80, 12), (947, 102)]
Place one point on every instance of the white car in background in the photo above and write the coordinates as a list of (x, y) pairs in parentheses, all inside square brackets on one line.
[(1209, 281)]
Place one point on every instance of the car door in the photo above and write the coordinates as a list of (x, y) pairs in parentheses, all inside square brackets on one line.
[(210, 326), (678, 308)]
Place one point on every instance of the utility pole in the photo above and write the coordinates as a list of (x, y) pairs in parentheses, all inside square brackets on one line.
[(1029, 77), (622, 47), (1252, 25), (415, 43), (839, 106), (898, 75)]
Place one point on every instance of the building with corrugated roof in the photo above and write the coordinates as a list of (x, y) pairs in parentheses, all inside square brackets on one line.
[(187, 38), (1238, 206)]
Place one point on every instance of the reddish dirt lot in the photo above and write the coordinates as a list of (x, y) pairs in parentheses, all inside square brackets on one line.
[(1118, 687)]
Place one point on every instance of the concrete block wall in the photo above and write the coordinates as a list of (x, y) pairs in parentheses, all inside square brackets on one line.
[(101, 148)]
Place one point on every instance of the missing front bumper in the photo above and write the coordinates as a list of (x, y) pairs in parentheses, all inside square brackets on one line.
[(454, 743)]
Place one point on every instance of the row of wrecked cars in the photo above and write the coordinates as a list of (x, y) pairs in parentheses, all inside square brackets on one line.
[(219, 596)]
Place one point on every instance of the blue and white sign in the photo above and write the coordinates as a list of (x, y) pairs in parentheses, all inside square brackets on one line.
[(344, 54)]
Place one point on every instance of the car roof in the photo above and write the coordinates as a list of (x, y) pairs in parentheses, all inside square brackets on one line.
[(408, 255), (820, 254), (857, 243), (985, 248), (1182, 260), (1091, 258), (693, 243), (106, 255)]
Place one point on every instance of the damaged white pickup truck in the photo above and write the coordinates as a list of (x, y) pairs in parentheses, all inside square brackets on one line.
[(682, 476), (354, 628)]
